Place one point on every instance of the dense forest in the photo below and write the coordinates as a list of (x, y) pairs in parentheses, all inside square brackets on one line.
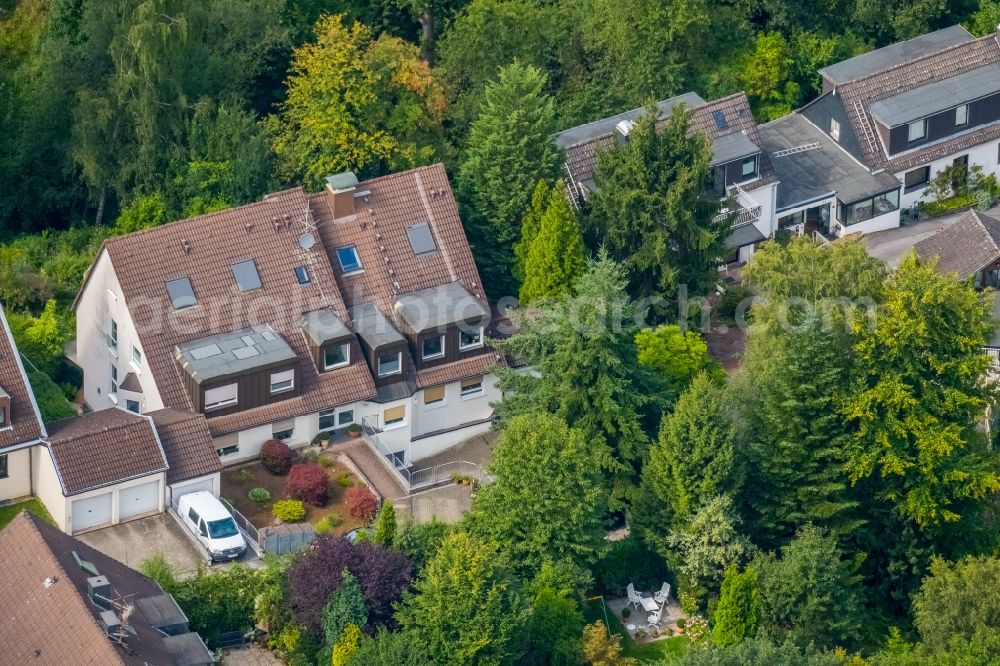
[(834, 502)]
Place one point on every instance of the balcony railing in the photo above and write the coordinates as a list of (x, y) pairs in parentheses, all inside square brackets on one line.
[(746, 211)]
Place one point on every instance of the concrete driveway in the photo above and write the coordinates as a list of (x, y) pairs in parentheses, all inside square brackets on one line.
[(136, 541), (892, 245)]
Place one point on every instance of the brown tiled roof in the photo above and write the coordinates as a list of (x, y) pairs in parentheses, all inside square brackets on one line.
[(467, 367), (929, 68), (25, 421), (187, 442), (144, 261), (966, 247), (104, 447), (58, 625), (581, 158)]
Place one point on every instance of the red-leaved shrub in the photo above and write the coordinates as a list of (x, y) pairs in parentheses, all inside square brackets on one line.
[(308, 483), (361, 502), (276, 456)]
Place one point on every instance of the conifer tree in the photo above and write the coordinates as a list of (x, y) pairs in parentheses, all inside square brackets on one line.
[(529, 226), (555, 256), (385, 524), (737, 615)]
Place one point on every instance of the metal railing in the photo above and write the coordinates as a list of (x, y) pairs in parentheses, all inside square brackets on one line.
[(747, 212), (250, 532), (431, 476), (370, 434)]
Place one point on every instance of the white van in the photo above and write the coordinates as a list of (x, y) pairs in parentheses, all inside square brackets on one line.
[(213, 526)]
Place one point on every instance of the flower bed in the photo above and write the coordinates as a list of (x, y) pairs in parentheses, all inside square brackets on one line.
[(237, 484)]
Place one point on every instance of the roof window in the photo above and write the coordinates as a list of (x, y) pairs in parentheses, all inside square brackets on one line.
[(421, 239), (247, 278), (720, 120), (349, 260), (181, 294), (302, 275)]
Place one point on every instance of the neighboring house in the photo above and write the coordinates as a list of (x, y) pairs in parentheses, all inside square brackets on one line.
[(299, 314), (742, 172), (910, 110), (66, 603), (21, 427)]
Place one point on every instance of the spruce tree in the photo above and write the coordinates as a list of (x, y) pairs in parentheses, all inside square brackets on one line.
[(556, 255), (529, 226), (385, 524), (509, 150), (346, 607), (737, 615)]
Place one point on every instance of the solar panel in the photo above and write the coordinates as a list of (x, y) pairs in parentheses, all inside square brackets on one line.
[(720, 120), (244, 353), (181, 294), (246, 275), (205, 352), (421, 239), (248, 340)]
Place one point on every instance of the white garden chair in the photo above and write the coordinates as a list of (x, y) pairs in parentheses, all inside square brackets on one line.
[(633, 596), (661, 596), (656, 616)]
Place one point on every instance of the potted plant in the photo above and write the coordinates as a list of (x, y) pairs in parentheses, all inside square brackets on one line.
[(680, 625), (354, 431), (626, 613)]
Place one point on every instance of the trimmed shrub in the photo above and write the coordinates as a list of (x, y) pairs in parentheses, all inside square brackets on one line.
[(308, 483), (276, 456), (345, 480), (327, 523), (289, 511), (326, 462), (259, 495), (361, 503)]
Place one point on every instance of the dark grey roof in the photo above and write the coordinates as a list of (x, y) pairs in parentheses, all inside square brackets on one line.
[(938, 96), (322, 326), (744, 235), (342, 181), (732, 147), (188, 649), (605, 125), (895, 54), (438, 307), (131, 383), (231, 353), (373, 327), (818, 173)]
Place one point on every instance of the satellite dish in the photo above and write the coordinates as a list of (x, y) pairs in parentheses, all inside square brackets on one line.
[(307, 241)]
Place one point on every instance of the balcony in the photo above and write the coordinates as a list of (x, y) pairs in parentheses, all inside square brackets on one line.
[(742, 210)]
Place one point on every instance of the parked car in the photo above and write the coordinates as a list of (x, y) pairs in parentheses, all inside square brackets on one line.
[(212, 525)]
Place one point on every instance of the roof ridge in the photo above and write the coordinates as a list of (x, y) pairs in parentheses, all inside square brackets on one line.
[(918, 59), (53, 439)]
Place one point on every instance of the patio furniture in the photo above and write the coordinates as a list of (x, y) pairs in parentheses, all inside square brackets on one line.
[(661, 596), (654, 618), (634, 598)]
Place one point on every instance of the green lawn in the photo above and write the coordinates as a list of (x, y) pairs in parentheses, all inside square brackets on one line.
[(655, 651), (8, 512)]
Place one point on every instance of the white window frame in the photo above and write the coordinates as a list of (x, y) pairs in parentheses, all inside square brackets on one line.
[(113, 338), (344, 424), (220, 404), (305, 274), (467, 394), (397, 371), (963, 113), (113, 395), (440, 354), (136, 359), (357, 257), (395, 425), (476, 345), (743, 167), (275, 432), (282, 382), (922, 124), (834, 129), (138, 406), (346, 346), (437, 404), (337, 416)]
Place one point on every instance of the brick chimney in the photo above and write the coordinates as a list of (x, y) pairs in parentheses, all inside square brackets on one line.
[(342, 186)]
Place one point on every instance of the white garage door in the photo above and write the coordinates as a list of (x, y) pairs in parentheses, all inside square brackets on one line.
[(138, 500), (179, 489), (90, 512)]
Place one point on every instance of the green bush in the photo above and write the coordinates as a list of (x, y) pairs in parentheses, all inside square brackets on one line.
[(631, 561), (730, 300), (326, 462), (984, 200), (52, 403), (243, 475), (345, 480), (289, 511), (259, 495), (327, 523)]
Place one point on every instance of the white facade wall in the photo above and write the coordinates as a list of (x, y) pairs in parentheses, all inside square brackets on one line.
[(47, 487), (101, 302), (985, 155), (18, 481), (211, 483), (767, 197), (878, 223)]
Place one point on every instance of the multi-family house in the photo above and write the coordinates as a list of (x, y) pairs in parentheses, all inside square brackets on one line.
[(67, 603), (298, 314), (741, 170), (852, 159)]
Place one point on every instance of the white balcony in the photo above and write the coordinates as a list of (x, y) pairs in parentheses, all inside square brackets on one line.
[(742, 210)]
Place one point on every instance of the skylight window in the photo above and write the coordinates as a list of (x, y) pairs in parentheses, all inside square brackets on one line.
[(247, 278), (349, 260), (720, 120), (421, 239), (302, 275), (181, 294)]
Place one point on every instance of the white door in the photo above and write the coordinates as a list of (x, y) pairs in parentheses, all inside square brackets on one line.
[(206, 483), (746, 252), (138, 500), (90, 512)]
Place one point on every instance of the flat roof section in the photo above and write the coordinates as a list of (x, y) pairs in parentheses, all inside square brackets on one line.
[(322, 326), (732, 147), (938, 96), (438, 307), (232, 353), (605, 126), (895, 54), (818, 172), (373, 327)]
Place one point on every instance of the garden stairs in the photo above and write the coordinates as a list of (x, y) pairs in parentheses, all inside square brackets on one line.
[(363, 457)]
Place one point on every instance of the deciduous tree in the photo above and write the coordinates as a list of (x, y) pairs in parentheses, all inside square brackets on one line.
[(678, 356)]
